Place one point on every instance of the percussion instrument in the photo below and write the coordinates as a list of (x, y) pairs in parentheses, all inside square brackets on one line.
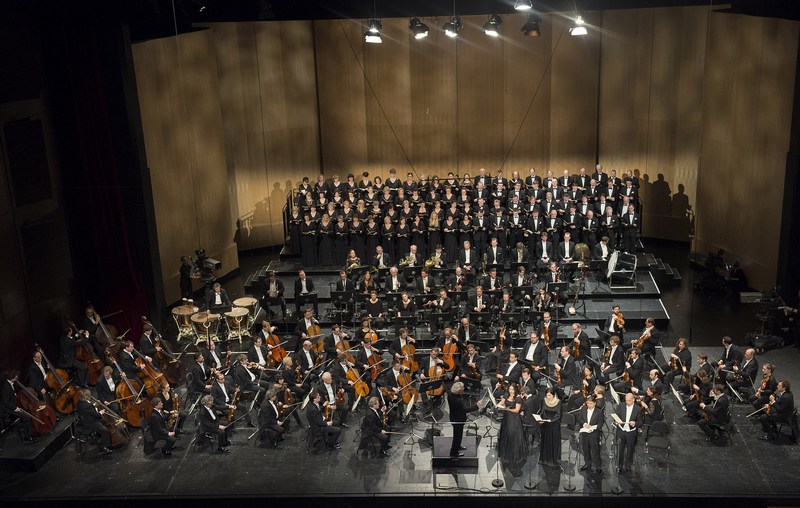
[(251, 305), (237, 321), (183, 318), (205, 326), (582, 254)]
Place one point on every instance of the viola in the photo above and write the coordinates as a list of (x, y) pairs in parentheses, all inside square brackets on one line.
[(66, 396), (340, 397), (43, 418)]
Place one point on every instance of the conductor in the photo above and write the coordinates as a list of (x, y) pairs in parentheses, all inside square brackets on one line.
[(458, 416)]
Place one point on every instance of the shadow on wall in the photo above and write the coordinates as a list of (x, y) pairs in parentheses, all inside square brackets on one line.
[(672, 217), (262, 228)]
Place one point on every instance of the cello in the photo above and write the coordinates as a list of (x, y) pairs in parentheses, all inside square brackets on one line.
[(276, 351), (87, 357), (66, 396), (407, 391), (449, 350), (150, 376), (360, 388), (114, 424), (343, 346), (435, 373), (408, 351), (43, 418), (129, 392), (173, 368)]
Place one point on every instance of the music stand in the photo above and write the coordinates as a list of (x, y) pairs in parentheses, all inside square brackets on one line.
[(341, 298), (361, 299), (603, 337), (536, 317), (382, 272), (598, 265), (519, 292), (458, 296), (358, 272), (421, 299), (569, 268), (515, 318), (556, 288), (393, 299), (514, 266), (407, 322), (426, 386), (412, 272), (481, 319), (439, 273), (500, 267), (439, 318)]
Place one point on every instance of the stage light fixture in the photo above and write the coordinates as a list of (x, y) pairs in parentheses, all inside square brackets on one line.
[(373, 33), (453, 27), (492, 27), (418, 29), (578, 27), (532, 27), (523, 5)]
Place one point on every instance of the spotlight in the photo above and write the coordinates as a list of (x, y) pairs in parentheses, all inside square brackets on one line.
[(453, 27), (532, 27), (373, 33), (523, 5), (492, 27), (578, 27), (418, 29)]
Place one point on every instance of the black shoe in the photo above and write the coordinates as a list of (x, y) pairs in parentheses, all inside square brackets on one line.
[(27, 440), (627, 470), (462, 447), (166, 453), (336, 446), (275, 444), (620, 470), (106, 449), (384, 453), (584, 467), (345, 426), (223, 450), (768, 437)]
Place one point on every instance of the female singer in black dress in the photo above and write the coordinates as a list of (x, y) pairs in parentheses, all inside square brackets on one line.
[(512, 446), (418, 234), (403, 232), (550, 452), (295, 220), (434, 231), (326, 242), (465, 230), (357, 237), (342, 241), (372, 232), (308, 241), (387, 238), (450, 233)]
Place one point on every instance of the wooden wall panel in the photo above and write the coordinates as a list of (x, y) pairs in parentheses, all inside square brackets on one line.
[(746, 123), (184, 140)]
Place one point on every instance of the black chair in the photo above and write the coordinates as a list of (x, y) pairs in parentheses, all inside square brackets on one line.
[(370, 444), (313, 439), (793, 426), (82, 437), (202, 438), (658, 439)]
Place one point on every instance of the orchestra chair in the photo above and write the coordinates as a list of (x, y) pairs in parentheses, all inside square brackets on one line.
[(8, 421), (658, 440), (202, 438), (793, 426), (82, 436), (370, 444)]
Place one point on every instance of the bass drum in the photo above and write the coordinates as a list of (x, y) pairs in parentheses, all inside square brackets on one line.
[(582, 254)]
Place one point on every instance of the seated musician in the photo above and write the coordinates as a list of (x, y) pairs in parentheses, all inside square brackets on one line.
[(406, 307), (217, 300), (781, 409), (366, 331), (107, 389), (766, 387), (495, 255), (224, 394), (373, 426), (328, 389), (648, 340), (91, 323), (374, 308), (509, 374), (215, 361), (270, 422), (468, 370), (201, 375), (284, 388), (289, 379), (147, 344), (213, 424), (394, 282), (714, 414), (566, 253), (544, 253), (731, 355), (301, 330), (11, 407), (467, 257), (534, 356), (567, 368), (391, 388), (250, 378), (506, 305), (526, 380), (159, 427), (480, 303), (127, 361), (493, 282), (69, 342), (424, 283), (613, 363), (442, 305), (653, 381), (652, 409), (680, 364), (466, 334), (602, 250), (427, 370), (319, 425), (381, 259), (397, 345), (274, 294), (89, 418), (634, 368), (168, 396), (744, 376), (543, 301), (339, 369), (257, 353), (580, 340), (304, 292), (520, 280), (520, 254), (368, 284), (700, 393), (548, 331), (307, 361), (457, 281)]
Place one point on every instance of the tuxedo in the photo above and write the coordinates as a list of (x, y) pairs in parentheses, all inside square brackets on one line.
[(718, 414), (159, 431), (590, 441), (213, 304), (90, 418), (510, 374), (384, 259), (36, 378), (210, 422), (395, 285), (309, 296), (422, 283), (268, 421), (534, 355), (372, 427), (127, 363), (458, 416), (495, 255), (345, 285), (627, 435)]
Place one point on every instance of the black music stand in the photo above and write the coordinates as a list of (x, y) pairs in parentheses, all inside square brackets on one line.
[(382, 272), (518, 294), (341, 299), (421, 299), (393, 300), (439, 273), (361, 299), (513, 267), (598, 264), (569, 268), (556, 288), (411, 272), (603, 338), (438, 319), (500, 267), (536, 317), (458, 296), (358, 272), (481, 319), (407, 322), (515, 318)]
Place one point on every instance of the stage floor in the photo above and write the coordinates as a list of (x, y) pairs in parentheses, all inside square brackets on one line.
[(748, 468)]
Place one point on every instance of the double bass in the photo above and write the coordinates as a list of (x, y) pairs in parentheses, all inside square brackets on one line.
[(133, 406), (86, 356), (106, 334), (65, 397), (172, 367), (114, 424), (43, 418)]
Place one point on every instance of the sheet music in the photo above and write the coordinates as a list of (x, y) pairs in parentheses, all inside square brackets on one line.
[(617, 419), (588, 430), (537, 417)]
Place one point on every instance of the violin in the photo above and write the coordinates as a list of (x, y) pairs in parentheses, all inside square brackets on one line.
[(85, 355), (619, 321), (547, 337), (576, 348), (66, 396), (340, 397), (176, 408), (607, 355), (641, 340), (502, 336), (43, 417), (173, 368)]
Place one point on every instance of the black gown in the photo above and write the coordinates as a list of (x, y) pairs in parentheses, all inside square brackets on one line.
[(418, 238), (403, 241), (357, 241), (450, 232), (373, 240), (325, 244), (550, 454), (295, 221), (341, 244), (512, 446), (308, 243), (387, 241)]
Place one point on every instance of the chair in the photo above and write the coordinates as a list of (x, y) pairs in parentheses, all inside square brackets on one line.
[(202, 438), (369, 443), (658, 439), (313, 438), (82, 436), (793, 426)]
